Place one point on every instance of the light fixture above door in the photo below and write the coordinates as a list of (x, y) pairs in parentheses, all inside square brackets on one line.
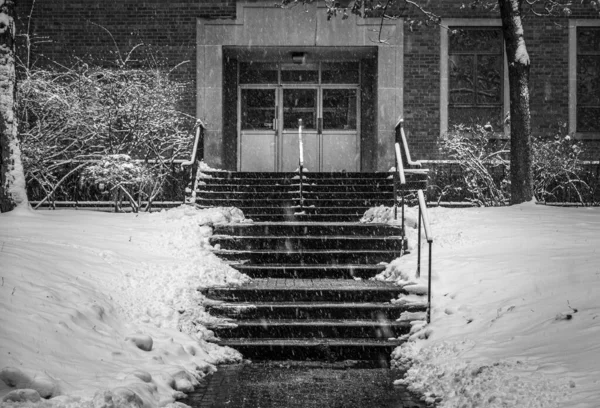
[(299, 58)]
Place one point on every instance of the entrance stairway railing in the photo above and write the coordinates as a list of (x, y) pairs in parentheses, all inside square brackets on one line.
[(301, 162), (424, 216), (400, 184), (196, 158)]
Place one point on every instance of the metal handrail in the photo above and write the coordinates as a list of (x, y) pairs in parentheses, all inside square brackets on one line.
[(400, 124), (200, 128), (423, 215), (301, 162), (402, 178)]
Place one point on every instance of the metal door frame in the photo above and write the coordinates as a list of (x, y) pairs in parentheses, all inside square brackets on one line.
[(279, 131)]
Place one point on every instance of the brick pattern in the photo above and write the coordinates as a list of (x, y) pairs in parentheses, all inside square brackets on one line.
[(70, 31)]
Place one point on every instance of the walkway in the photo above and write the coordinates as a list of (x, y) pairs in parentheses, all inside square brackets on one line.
[(301, 385)]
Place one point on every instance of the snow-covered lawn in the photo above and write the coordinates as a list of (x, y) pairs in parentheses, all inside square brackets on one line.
[(516, 309), (99, 309)]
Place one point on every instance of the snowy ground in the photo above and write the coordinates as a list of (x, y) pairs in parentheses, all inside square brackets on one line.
[(516, 308), (101, 310)]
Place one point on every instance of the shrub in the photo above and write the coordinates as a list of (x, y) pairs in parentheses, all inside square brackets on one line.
[(482, 162), (480, 173), (558, 172), (71, 118), (118, 176)]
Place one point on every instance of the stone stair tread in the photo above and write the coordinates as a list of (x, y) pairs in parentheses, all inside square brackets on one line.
[(306, 223), (312, 266), (300, 251), (314, 284), (315, 305), (308, 237), (361, 342), (320, 322)]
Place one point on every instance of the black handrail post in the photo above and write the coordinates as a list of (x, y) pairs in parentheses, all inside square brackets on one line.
[(301, 163), (396, 200), (429, 288), (403, 215), (419, 247), (200, 148)]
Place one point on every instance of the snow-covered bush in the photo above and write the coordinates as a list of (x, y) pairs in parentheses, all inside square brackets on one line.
[(557, 170), (118, 176), (483, 165), (71, 117), (481, 173)]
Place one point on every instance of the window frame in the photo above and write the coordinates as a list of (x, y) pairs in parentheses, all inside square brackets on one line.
[(445, 73), (573, 25)]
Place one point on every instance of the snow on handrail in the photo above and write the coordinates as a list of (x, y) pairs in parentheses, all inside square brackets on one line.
[(400, 123), (423, 208), (199, 126), (399, 165)]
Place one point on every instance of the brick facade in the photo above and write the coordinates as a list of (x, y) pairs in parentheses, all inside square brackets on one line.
[(63, 31)]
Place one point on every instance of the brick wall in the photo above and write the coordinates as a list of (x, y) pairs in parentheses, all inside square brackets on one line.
[(64, 31), (68, 31)]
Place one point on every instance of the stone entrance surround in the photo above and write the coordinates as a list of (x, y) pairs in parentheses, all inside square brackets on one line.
[(259, 24)]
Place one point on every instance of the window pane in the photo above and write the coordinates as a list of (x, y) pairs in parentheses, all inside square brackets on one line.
[(462, 87), (300, 76), (588, 119), (258, 109), (489, 79), (475, 40), (476, 76), (476, 116), (588, 80), (339, 73), (258, 73), (299, 104), (339, 109), (588, 40)]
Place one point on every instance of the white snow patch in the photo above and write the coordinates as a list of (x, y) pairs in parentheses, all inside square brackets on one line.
[(102, 309), (504, 283)]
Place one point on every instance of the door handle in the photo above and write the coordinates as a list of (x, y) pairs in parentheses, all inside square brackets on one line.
[(320, 126)]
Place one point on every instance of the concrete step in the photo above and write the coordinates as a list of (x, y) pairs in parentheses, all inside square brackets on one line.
[(297, 209), (294, 201), (308, 229), (376, 350), (307, 290), (303, 217), (310, 256), (314, 175), (321, 242), (294, 194), (382, 311), (295, 186), (320, 329), (318, 271)]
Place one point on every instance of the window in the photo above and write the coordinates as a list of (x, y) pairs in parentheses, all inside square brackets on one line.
[(473, 75), (584, 81), (475, 69)]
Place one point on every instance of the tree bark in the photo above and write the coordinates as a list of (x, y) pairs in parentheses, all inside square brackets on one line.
[(521, 175), (12, 180)]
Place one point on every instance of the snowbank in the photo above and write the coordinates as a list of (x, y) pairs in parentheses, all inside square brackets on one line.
[(516, 316), (102, 309)]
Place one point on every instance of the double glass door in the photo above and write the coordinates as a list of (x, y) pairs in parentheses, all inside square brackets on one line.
[(269, 127)]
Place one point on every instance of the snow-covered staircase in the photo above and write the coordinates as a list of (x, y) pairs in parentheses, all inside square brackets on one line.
[(311, 297)]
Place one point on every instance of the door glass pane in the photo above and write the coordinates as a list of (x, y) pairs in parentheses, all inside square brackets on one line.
[(339, 109), (258, 73), (258, 109), (339, 72), (299, 104)]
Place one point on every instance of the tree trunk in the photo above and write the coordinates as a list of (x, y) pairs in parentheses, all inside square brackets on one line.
[(12, 180), (520, 117)]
